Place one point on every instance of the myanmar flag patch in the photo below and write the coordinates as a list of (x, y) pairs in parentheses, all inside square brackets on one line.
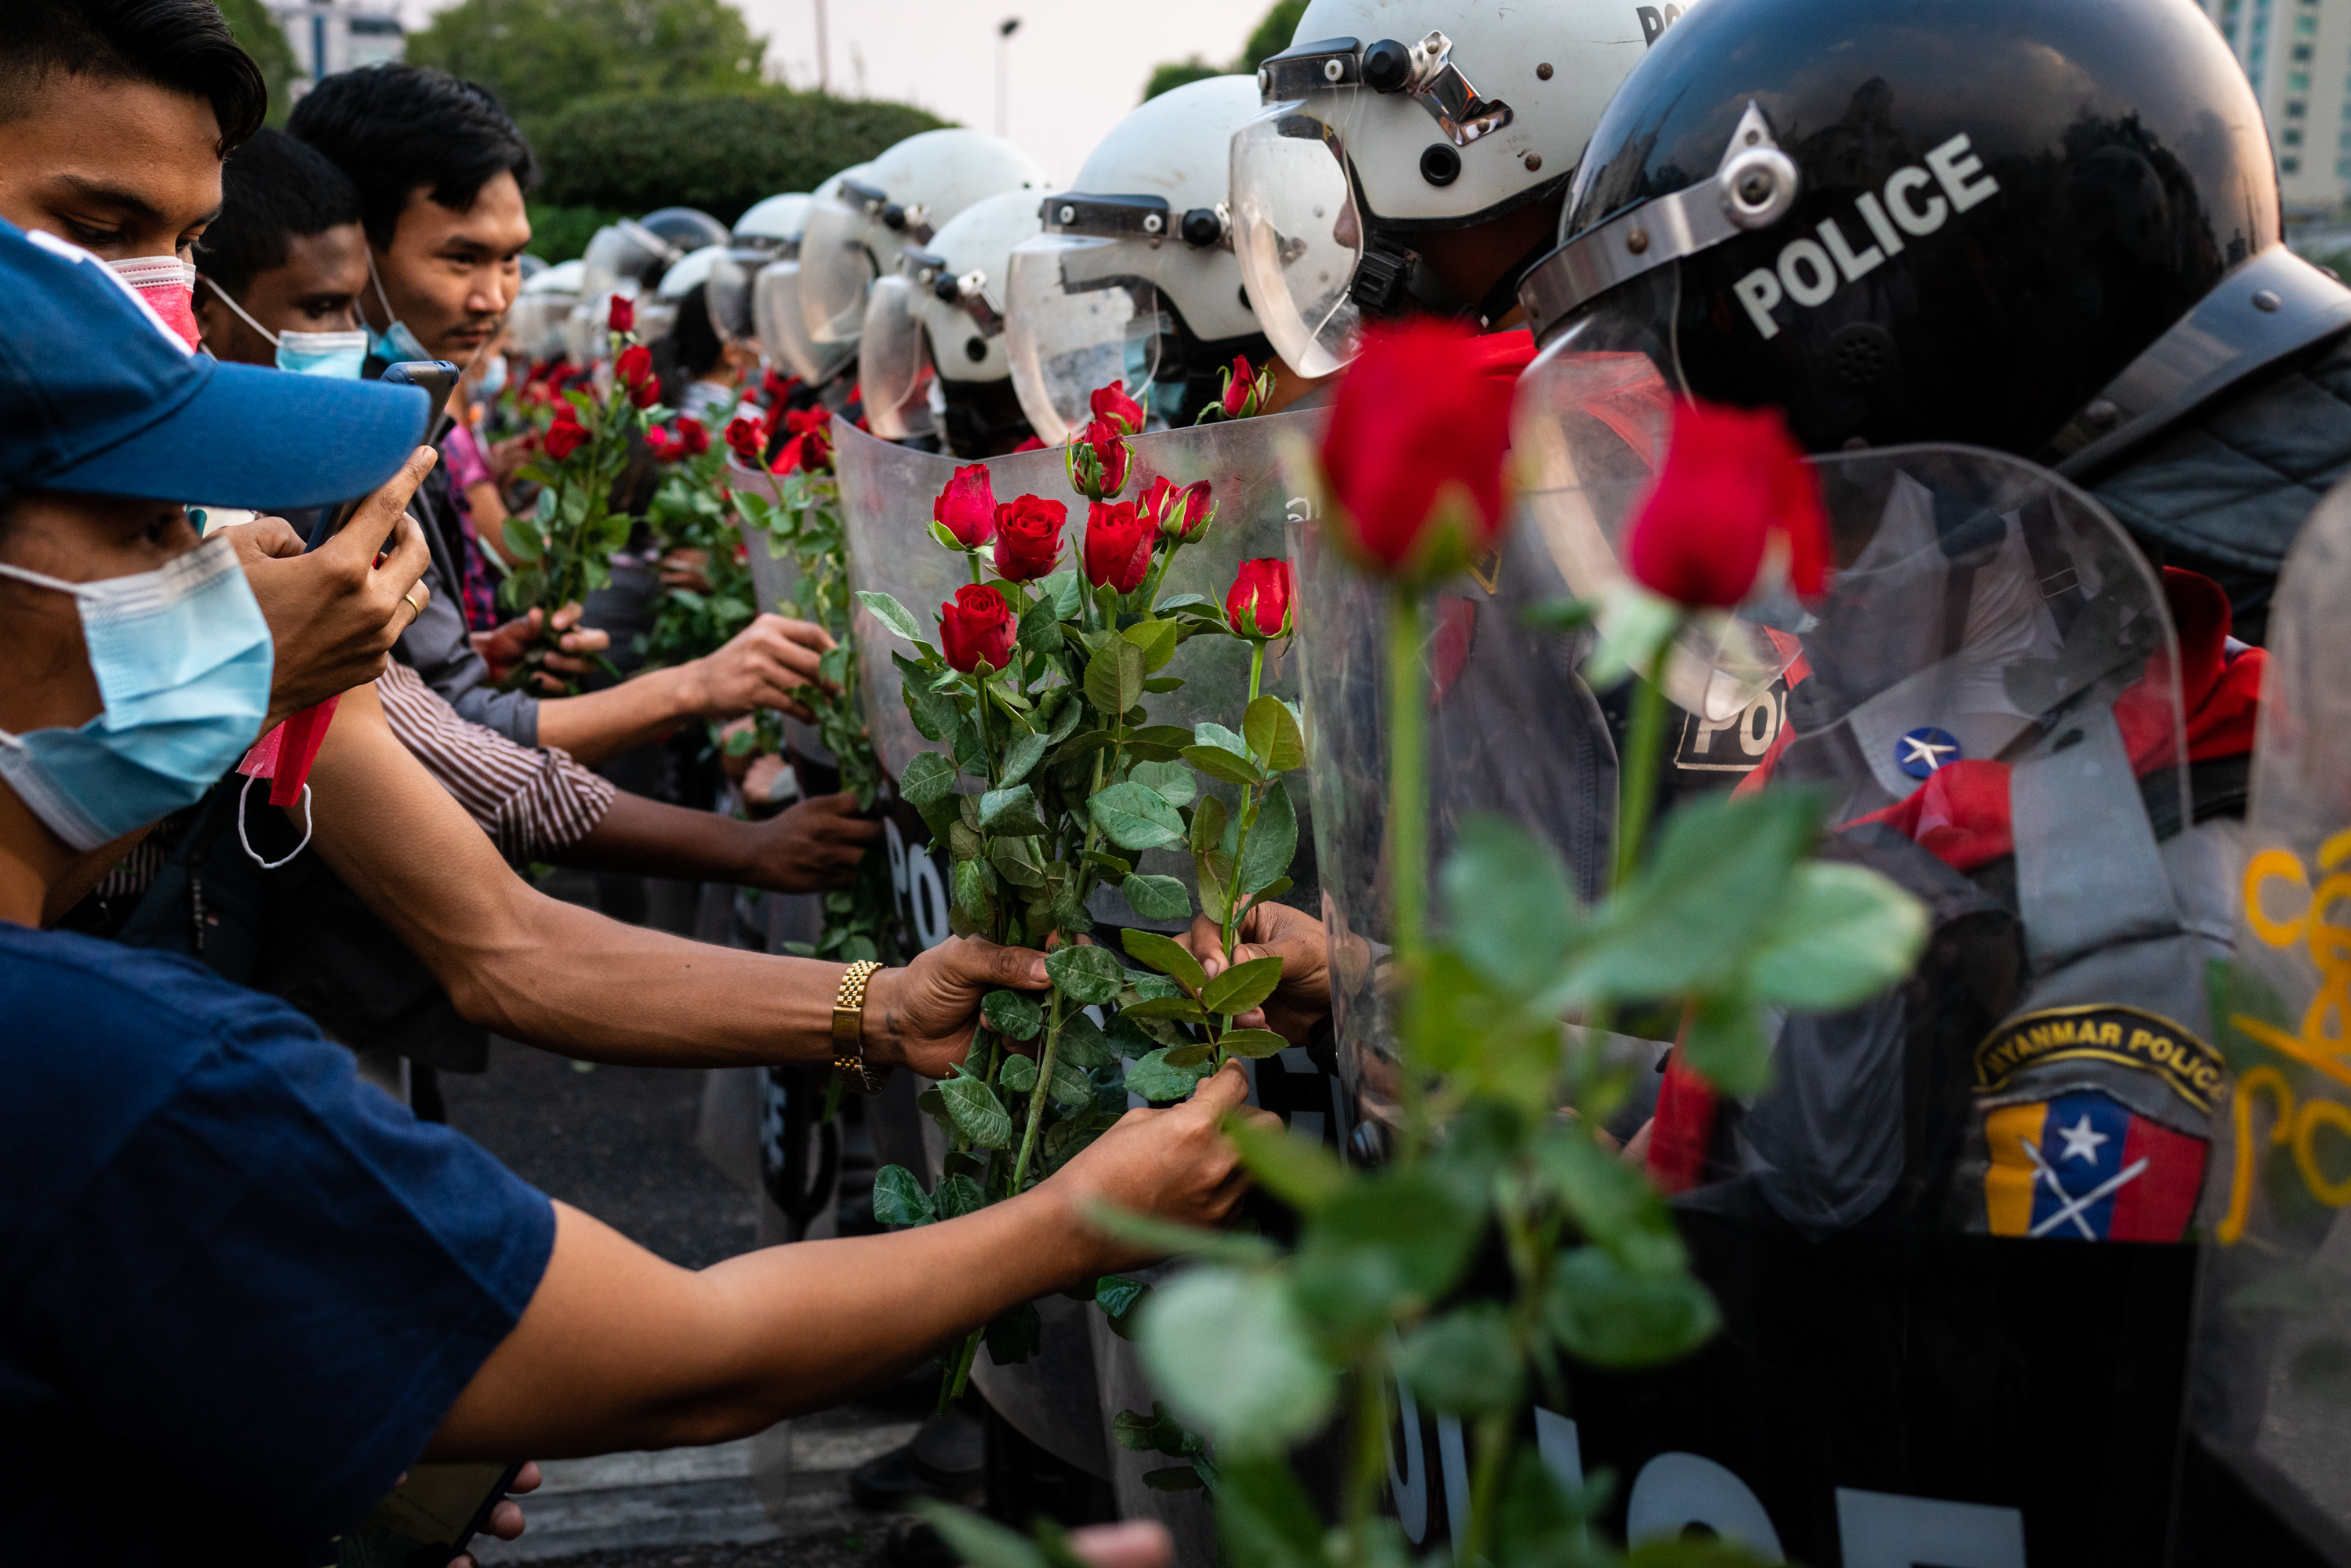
[(2082, 1168)]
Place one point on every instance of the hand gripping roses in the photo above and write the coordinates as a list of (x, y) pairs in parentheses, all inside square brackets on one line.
[(1037, 692)]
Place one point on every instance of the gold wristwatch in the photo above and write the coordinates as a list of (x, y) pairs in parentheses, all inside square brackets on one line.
[(849, 1030)]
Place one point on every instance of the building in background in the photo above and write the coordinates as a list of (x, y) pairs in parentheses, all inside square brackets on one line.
[(332, 35), (2297, 54)]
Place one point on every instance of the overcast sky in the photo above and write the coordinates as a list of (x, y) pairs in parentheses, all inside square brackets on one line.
[(1075, 67)]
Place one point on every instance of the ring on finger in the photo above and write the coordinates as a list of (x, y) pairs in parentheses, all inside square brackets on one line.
[(413, 598)]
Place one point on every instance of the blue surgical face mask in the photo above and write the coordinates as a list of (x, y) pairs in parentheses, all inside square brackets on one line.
[(493, 379), (395, 343), (183, 659), (340, 354)]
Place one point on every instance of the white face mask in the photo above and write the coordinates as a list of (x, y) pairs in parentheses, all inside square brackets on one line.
[(493, 379), (337, 354)]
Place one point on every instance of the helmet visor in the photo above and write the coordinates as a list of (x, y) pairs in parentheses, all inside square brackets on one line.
[(837, 269), (1084, 312), (728, 292), (775, 306), (894, 362), (537, 323), (1297, 230), (1592, 418), (623, 255)]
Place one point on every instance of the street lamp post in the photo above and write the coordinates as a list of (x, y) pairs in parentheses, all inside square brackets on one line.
[(1004, 31)]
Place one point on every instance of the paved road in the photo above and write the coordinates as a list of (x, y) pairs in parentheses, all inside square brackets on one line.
[(617, 1143)]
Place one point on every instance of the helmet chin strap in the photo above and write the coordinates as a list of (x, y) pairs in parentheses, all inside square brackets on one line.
[(1393, 278), (2270, 309)]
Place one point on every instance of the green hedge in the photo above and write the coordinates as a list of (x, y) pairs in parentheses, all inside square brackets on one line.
[(560, 234), (720, 153)]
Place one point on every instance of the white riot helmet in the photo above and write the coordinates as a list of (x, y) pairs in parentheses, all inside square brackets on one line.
[(1388, 119), (542, 310), (904, 197), (934, 338), (1133, 277), (775, 314), (768, 230), (657, 317)]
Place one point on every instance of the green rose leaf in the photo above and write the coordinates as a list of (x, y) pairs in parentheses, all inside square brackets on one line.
[(1017, 1073), (1385, 1245), (1271, 733), (1845, 933), (958, 1195), (1165, 955), (1294, 1167), (1725, 1044), (1604, 1314), (1083, 1045), (1154, 1080), (1510, 910), (982, 1543), (1016, 1335), (1217, 763), (1118, 1296), (1135, 818), (1210, 733), (1040, 629), (1021, 756), (885, 609), (1156, 639), (1231, 1349), (1114, 678), (1183, 1009), (1012, 1014), (977, 1112), (1012, 812), (1253, 1043), (1272, 841), (1208, 825), (1070, 1088), (899, 1198), (1465, 1363), (1087, 975), (1157, 897), (1171, 780), (1242, 987), (1020, 862)]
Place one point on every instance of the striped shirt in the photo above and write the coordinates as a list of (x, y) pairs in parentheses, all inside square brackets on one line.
[(532, 800)]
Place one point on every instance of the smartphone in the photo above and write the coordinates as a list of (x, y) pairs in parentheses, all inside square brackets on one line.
[(429, 1517), (439, 379)]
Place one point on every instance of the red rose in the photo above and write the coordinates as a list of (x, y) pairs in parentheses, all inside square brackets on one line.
[(1118, 544), (1111, 403), (1032, 444), (1181, 512), (1413, 453), (634, 370), (747, 438), (776, 388), (658, 440), (976, 628), (1028, 537), (621, 317), (1098, 461), (966, 508), (810, 452), (1732, 479), (692, 436), (1259, 605), (565, 437), (1240, 390)]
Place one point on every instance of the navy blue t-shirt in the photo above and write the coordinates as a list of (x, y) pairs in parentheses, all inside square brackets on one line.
[(238, 1288)]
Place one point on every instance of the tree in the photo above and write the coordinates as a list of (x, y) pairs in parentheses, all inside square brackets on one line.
[(540, 56), (1271, 37), (720, 152), (258, 34)]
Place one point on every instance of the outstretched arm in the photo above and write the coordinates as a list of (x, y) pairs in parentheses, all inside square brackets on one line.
[(619, 1349), (567, 979)]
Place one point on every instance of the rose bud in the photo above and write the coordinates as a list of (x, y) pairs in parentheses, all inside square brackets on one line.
[(1189, 515), (621, 317), (1240, 390), (1413, 457), (1028, 537), (692, 436), (1259, 605), (1098, 461), (1118, 545), (566, 435), (977, 627), (657, 440), (1731, 480), (748, 439), (966, 508), (1111, 403), (634, 370)]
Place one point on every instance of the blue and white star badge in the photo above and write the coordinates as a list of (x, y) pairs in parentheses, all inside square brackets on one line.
[(1923, 751)]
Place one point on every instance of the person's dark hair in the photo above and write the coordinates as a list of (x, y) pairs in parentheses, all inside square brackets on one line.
[(274, 189), (182, 45), (393, 128), (691, 348)]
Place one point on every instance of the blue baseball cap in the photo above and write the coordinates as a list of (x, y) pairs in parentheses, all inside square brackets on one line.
[(99, 397)]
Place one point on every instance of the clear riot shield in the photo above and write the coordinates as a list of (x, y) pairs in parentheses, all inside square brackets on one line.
[(2271, 1396), (887, 491), (774, 579), (1934, 1349)]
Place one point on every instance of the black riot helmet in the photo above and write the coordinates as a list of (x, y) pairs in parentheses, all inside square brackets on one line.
[(1956, 221)]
